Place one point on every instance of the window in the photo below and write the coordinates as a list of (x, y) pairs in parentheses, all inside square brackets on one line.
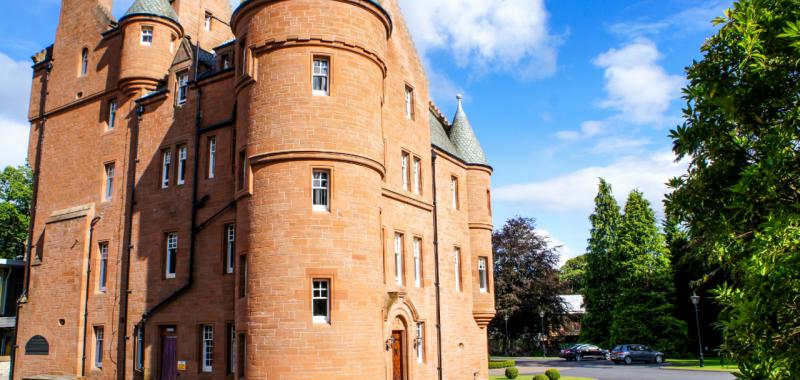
[(404, 170), (226, 61), (398, 258), (243, 55), (183, 154), (208, 348), (183, 87), (409, 103), (109, 193), (320, 299), (103, 270), (320, 188), (242, 354), (139, 349), (454, 191), (166, 163), (483, 275), (419, 345), (231, 350), (98, 346), (242, 276), (489, 201), (230, 247), (321, 76), (147, 35), (417, 176), (84, 61), (212, 157), (457, 268), (207, 23), (417, 262), (242, 169), (112, 113), (172, 254)]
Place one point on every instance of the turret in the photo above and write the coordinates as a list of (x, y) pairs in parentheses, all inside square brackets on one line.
[(151, 35)]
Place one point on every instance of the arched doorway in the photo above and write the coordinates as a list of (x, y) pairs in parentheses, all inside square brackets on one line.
[(398, 348)]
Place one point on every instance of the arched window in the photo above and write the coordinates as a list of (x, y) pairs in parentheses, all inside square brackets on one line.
[(84, 61), (37, 346)]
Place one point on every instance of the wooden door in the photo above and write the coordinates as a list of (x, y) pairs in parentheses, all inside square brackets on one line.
[(169, 354), (398, 367)]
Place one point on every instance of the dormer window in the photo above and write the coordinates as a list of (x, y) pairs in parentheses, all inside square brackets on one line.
[(183, 87), (147, 35)]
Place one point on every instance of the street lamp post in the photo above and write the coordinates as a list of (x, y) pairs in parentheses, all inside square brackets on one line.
[(541, 337), (505, 348), (695, 300)]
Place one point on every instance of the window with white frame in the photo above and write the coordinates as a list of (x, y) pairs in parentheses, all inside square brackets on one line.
[(84, 61), (321, 301), (207, 22), (212, 157), (398, 258), (404, 170), (454, 191), (98, 346), (103, 270), (112, 113), (457, 268), (417, 262), (321, 76), (420, 342), (166, 164), (139, 349), (230, 247), (409, 103), (483, 275), (208, 348), (172, 255), (183, 154), (147, 35), (417, 176), (320, 189), (182, 85), (109, 190)]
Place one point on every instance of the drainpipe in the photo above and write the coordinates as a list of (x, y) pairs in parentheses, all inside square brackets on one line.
[(34, 198), (86, 297), (436, 262)]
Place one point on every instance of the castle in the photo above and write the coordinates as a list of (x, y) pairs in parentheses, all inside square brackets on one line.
[(265, 193)]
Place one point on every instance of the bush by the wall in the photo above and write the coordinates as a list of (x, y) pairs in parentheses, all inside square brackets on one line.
[(512, 373), (493, 364), (552, 374)]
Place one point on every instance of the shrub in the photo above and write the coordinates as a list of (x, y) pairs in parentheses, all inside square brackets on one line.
[(501, 364), (553, 374), (540, 377), (512, 373)]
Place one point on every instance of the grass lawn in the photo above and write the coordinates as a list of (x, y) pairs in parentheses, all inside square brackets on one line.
[(694, 364), (529, 377)]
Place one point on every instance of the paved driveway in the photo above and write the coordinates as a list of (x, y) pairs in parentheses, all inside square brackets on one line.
[(606, 370)]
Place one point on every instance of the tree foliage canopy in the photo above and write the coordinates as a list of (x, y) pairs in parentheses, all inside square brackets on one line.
[(740, 199), (15, 206), (573, 274)]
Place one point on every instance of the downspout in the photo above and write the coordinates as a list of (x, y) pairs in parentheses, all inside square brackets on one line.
[(34, 198), (436, 263), (86, 297)]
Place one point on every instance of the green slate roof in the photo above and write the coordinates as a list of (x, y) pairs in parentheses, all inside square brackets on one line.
[(463, 137), (159, 8), (439, 136)]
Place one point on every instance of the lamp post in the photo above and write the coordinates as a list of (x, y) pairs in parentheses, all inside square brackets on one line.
[(541, 336), (505, 348), (695, 300)]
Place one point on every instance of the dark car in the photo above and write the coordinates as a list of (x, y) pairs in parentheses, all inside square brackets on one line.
[(580, 352), (629, 353)]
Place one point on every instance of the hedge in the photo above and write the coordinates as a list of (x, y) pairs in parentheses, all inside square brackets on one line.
[(501, 363)]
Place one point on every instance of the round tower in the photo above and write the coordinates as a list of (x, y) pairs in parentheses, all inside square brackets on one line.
[(309, 90), (151, 34)]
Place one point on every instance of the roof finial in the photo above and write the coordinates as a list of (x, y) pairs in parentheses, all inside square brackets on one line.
[(459, 97)]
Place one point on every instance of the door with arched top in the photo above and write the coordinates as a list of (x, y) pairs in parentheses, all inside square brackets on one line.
[(398, 366)]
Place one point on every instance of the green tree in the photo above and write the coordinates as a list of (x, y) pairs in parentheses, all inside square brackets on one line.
[(643, 311), (573, 274), (15, 206), (740, 198), (599, 279)]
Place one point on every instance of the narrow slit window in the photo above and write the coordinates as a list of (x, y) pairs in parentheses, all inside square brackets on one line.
[(409, 103), (398, 259), (230, 247), (102, 273), (212, 157), (457, 268), (84, 61), (183, 88), (242, 354), (321, 76), (208, 348), (207, 22), (420, 342), (183, 154), (321, 300), (417, 176), (417, 262), (320, 188), (166, 164), (139, 349), (147, 35), (454, 191), (112, 113), (109, 190), (242, 169), (404, 170), (242, 276), (483, 275), (231, 350), (98, 346), (172, 255)]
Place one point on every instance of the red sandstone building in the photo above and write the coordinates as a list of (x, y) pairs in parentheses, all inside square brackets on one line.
[(261, 194)]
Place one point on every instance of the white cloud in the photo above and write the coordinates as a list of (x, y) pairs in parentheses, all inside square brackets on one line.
[(588, 129), (576, 191), (564, 251), (15, 89), (693, 19), (488, 35), (614, 144), (637, 88)]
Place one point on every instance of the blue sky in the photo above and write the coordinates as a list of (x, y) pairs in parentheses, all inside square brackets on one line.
[(559, 92)]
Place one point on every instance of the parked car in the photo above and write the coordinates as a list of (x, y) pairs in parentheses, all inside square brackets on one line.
[(580, 352), (629, 353)]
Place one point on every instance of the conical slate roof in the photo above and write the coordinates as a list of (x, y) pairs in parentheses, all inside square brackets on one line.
[(159, 8), (463, 137)]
